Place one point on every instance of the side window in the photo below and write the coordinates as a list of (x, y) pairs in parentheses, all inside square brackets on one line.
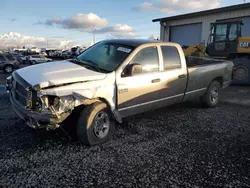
[(171, 57), (2, 58), (10, 58), (233, 32), (148, 58), (221, 32)]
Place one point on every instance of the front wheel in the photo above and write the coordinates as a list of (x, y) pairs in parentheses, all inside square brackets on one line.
[(8, 69), (211, 97), (95, 124), (33, 62)]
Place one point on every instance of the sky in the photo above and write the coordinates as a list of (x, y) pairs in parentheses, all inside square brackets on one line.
[(59, 23)]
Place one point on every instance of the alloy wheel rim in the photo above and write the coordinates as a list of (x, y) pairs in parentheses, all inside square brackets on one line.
[(214, 94), (102, 125), (8, 69)]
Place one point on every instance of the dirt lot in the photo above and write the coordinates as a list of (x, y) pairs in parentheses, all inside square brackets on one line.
[(181, 146)]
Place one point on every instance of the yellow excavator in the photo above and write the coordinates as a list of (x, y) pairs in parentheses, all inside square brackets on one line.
[(226, 42)]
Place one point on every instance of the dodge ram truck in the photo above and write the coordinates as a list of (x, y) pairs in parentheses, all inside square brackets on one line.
[(112, 80)]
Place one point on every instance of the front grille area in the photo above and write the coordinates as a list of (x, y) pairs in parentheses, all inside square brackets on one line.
[(25, 96)]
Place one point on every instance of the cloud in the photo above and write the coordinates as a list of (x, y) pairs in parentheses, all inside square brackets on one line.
[(151, 37), (123, 35), (13, 39), (172, 6), (115, 29), (84, 22)]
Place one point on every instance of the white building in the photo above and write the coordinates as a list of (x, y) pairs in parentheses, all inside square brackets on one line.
[(194, 28)]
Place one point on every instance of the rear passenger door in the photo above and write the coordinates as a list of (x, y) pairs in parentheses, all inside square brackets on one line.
[(174, 76)]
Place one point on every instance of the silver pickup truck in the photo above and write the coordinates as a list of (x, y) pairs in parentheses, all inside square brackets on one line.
[(112, 80)]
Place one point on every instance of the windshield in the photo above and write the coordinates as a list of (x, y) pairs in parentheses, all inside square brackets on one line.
[(105, 55)]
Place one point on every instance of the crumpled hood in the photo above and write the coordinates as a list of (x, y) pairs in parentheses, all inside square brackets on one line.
[(56, 73)]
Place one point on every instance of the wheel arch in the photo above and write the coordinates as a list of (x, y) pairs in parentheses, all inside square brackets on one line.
[(218, 79), (87, 102)]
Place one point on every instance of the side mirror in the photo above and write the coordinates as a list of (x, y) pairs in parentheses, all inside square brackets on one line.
[(136, 69), (132, 70)]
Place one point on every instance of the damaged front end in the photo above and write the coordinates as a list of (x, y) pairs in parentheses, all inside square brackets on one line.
[(60, 107), (48, 106), (37, 107)]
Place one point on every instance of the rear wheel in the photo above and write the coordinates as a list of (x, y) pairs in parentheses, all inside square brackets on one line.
[(211, 97), (8, 69), (33, 62), (95, 124), (241, 74)]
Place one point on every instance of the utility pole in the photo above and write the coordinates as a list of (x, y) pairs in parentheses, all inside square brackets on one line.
[(93, 31)]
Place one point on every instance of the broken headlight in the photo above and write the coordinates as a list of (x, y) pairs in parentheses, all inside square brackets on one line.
[(59, 104), (64, 104)]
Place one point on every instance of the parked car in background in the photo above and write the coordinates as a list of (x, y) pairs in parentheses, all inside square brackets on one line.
[(43, 54), (22, 59), (8, 62), (35, 59), (66, 54), (112, 80)]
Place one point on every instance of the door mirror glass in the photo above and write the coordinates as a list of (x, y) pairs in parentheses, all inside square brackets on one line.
[(132, 69), (135, 69)]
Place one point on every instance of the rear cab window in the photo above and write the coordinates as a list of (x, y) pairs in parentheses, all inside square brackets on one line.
[(171, 57)]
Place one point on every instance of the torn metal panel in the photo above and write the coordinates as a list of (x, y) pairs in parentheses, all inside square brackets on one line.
[(79, 92), (59, 102)]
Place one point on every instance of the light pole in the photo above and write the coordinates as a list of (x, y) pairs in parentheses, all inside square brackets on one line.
[(93, 31)]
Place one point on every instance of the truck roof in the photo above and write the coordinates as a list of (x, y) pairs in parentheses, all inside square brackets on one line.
[(132, 42)]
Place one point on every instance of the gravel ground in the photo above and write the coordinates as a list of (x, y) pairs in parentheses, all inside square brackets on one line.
[(183, 146)]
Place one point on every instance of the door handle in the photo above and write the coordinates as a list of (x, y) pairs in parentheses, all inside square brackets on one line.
[(182, 76), (156, 80)]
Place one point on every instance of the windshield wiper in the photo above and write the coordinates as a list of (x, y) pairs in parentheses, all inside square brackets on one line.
[(95, 65), (89, 61), (92, 64)]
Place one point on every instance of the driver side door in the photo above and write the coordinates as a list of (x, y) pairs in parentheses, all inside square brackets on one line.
[(136, 93)]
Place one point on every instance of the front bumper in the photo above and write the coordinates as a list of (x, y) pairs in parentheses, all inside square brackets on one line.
[(32, 118)]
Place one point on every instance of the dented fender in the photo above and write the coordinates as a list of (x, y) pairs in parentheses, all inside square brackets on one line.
[(67, 97)]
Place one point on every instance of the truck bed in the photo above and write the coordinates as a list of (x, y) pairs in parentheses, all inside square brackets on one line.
[(202, 70), (198, 61)]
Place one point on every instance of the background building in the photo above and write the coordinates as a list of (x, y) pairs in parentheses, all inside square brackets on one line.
[(194, 28)]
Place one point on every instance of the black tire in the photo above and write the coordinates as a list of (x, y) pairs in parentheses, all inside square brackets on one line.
[(8, 69), (241, 75), (33, 62), (87, 128), (211, 97)]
